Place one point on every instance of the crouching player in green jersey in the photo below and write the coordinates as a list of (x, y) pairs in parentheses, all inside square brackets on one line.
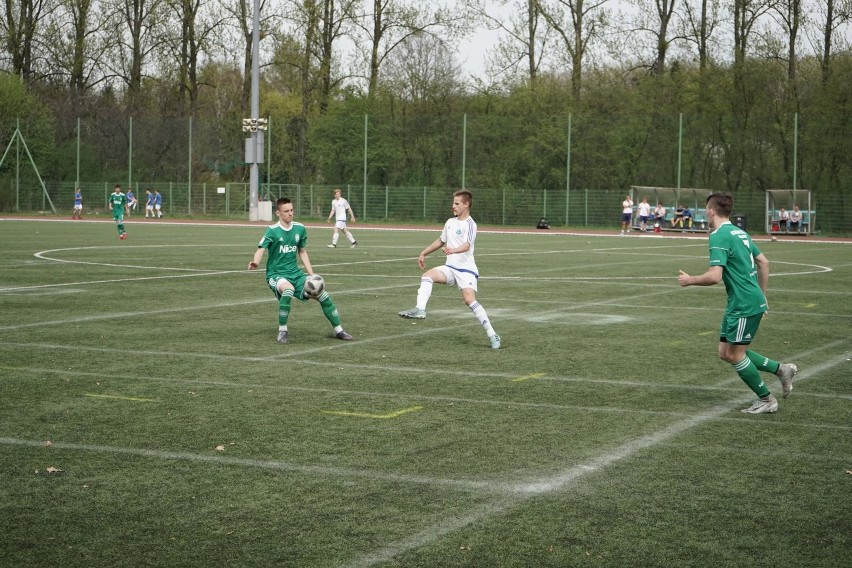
[(286, 240), (736, 260)]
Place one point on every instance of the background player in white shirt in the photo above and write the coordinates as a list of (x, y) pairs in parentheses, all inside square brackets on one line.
[(644, 211), (457, 242), (626, 215), (339, 208)]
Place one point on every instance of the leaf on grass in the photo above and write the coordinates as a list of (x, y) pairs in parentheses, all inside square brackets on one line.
[(220, 448), (52, 469), (849, 471), (47, 443)]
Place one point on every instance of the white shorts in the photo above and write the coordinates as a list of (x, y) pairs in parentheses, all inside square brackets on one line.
[(149, 207), (78, 207), (459, 278), (340, 224), (157, 207)]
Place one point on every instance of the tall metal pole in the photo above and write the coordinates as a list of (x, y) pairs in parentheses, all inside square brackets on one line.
[(679, 147), (257, 135), (130, 154), (77, 181), (17, 164), (568, 172), (364, 205), (189, 173), (464, 150), (795, 147), (269, 158)]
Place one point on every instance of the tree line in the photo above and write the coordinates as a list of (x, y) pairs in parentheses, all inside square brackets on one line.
[(741, 95)]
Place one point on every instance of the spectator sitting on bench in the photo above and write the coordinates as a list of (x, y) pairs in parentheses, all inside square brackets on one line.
[(659, 215), (678, 217), (795, 219), (686, 218), (783, 219)]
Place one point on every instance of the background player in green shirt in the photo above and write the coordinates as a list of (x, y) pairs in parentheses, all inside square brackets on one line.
[(118, 205), (285, 241), (736, 260)]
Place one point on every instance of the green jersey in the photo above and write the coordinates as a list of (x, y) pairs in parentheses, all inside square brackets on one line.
[(733, 250), (118, 201), (283, 246)]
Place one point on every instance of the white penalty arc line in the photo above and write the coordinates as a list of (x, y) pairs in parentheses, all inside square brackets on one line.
[(43, 255), (558, 482)]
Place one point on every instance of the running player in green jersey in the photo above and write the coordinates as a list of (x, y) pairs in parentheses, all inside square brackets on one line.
[(118, 205), (286, 240), (736, 260)]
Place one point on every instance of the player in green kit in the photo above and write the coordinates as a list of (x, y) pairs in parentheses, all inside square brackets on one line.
[(736, 260), (118, 205), (285, 241)]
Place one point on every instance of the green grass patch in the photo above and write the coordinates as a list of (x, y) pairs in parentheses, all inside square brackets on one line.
[(148, 417)]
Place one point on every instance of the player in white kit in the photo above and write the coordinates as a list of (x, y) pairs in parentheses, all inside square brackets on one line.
[(339, 208), (457, 242)]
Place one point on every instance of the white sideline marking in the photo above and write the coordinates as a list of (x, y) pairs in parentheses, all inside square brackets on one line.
[(560, 481), (461, 484)]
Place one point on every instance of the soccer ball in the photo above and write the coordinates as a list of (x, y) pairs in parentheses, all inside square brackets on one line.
[(314, 285)]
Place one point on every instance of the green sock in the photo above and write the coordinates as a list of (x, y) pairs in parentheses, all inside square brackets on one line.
[(284, 306), (751, 376), (763, 363), (329, 309)]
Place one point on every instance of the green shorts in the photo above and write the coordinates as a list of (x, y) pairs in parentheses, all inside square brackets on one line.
[(297, 282), (739, 330)]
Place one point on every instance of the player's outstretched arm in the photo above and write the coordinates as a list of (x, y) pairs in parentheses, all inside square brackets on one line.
[(255, 261), (306, 260), (709, 278), (421, 260)]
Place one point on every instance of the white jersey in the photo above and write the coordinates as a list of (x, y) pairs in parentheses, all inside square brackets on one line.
[(644, 209), (340, 206), (627, 206), (455, 234)]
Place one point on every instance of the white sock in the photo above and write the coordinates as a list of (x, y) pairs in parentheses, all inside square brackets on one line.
[(424, 292), (350, 236), (334, 239), (482, 317)]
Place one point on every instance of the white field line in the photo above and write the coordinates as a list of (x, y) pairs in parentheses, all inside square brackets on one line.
[(561, 481), (632, 252), (309, 470), (418, 396), (518, 491), (195, 307), (554, 233), (285, 355)]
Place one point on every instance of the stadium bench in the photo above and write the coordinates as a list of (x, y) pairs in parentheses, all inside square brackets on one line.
[(776, 227)]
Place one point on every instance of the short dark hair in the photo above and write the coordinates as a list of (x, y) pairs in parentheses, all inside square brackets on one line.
[(466, 196), (721, 203), (282, 201)]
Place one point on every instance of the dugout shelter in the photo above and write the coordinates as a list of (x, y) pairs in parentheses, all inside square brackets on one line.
[(671, 197), (787, 199)]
